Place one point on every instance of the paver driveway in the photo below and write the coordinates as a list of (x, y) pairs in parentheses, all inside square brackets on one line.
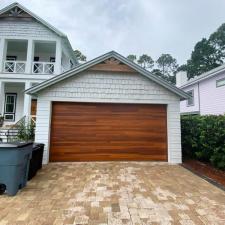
[(114, 193)]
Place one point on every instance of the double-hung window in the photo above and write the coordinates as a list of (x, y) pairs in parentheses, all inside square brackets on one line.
[(10, 106)]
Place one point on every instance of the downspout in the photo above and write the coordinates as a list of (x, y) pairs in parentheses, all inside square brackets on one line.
[(199, 105)]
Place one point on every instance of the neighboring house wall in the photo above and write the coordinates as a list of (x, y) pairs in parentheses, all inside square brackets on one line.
[(184, 107), (110, 88), (208, 99), (212, 97)]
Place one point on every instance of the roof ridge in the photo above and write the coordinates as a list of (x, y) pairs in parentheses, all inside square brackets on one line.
[(205, 75)]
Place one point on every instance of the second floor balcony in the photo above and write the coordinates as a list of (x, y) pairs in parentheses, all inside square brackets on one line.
[(33, 57)]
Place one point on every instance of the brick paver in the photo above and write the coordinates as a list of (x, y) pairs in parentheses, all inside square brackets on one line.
[(115, 193)]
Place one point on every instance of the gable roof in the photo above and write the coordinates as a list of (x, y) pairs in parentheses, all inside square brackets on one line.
[(112, 54), (205, 76), (40, 20), (16, 4)]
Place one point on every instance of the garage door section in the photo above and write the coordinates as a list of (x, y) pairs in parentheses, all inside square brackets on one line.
[(107, 132)]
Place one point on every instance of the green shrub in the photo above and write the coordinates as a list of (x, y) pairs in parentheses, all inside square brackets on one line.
[(26, 131), (203, 138)]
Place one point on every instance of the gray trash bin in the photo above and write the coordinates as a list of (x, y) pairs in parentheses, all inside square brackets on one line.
[(14, 166)]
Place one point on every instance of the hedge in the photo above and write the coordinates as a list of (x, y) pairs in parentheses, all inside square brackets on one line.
[(203, 138)]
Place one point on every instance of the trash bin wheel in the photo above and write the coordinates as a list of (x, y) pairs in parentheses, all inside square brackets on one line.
[(2, 189)]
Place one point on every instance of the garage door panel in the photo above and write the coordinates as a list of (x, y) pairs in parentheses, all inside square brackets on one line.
[(89, 132), (109, 157)]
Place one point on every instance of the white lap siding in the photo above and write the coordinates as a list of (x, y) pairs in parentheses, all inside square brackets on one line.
[(107, 87)]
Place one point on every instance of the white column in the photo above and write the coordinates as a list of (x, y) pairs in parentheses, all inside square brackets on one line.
[(27, 100), (2, 97), (30, 56), (2, 53), (58, 57)]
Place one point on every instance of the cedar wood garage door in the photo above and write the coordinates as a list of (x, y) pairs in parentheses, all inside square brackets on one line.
[(102, 132)]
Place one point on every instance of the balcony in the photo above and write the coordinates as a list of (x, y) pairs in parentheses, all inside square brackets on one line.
[(37, 57), (34, 57), (14, 66)]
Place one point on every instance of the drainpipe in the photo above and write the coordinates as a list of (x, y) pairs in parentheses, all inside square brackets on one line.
[(199, 105)]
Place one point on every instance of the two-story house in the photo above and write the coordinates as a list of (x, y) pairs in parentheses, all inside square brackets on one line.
[(207, 91), (106, 109), (31, 51)]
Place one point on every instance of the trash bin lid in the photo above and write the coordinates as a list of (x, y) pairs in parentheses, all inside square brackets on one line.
[(15, 145)]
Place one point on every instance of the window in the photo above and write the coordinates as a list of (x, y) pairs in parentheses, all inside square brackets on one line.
[(10, 106), (190, 101), (220, 82)]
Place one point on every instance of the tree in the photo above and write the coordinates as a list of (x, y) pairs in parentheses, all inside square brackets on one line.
[(146, 61), (207, 53), (217, 40), (132, 58), (80, 57), (167, 64), (204, 57), (170, 79)]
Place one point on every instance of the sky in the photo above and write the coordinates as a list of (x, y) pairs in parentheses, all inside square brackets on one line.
[(138, 27)]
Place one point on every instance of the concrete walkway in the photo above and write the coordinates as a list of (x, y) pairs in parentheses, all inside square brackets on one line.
[(114, 193)]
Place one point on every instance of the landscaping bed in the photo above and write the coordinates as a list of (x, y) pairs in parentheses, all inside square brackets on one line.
[(206, 171)]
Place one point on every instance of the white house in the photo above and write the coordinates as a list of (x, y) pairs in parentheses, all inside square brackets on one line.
[(207, 91), (31, 51), (106, 109)]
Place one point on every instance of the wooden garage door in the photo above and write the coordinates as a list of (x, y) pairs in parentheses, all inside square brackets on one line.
[(95, 132)]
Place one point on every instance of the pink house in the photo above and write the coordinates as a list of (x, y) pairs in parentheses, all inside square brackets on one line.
[(207, 91)]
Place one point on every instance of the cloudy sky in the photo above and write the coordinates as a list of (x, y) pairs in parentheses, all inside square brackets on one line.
[(131, 26)]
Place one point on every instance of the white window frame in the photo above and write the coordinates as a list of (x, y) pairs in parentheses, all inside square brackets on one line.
[(14, 107), (190, 92), (218, 82)]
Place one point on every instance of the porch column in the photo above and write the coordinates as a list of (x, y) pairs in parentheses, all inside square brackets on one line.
[(2, 53), (2, 97), (30, 56), (58, 57), (27, 100)]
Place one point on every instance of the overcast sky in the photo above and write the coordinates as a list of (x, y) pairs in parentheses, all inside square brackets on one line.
[(131, 26)]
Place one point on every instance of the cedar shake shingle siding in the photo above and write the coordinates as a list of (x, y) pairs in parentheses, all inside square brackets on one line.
[(23, 29), (113, 88)]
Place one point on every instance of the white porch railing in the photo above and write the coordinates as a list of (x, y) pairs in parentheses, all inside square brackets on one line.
[(43, 68), (14, 66)]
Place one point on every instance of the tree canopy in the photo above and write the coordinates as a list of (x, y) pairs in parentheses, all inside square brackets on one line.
[(146, 61), (207, 54), (167, 64), (132, 58), (80, 57)]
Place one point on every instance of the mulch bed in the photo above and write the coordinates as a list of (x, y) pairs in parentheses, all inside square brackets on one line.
[(206, 171)]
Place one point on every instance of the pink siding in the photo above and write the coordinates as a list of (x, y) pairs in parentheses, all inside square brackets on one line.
[(183, 104), (212, 98)]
